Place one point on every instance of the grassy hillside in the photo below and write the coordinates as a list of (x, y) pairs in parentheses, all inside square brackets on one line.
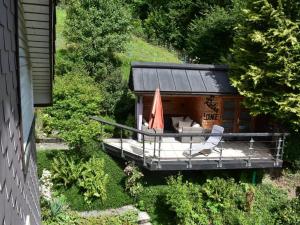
[(60, 18), (139, 50)]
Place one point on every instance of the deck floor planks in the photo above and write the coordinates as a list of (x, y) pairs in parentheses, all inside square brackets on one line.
[(172, 149)]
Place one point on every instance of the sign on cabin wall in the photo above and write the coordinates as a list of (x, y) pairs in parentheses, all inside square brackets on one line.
[(211, 111)]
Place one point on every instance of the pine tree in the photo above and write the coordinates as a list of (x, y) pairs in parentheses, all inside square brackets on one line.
[(265, 61)]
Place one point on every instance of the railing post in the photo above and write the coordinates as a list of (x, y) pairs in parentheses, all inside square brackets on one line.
[(221, 152), (250, 152), (144, 158), (122, 151), (101, 132), (190, 158), (154, 144), (278, 151), (282, 147), (159, 149)]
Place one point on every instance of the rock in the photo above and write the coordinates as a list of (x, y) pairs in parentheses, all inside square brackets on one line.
[(143, 218)]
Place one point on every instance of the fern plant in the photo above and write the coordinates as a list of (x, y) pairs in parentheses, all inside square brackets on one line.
[(65, 171), (93, 180)]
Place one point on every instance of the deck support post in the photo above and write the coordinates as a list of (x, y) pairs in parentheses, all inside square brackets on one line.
[(279, 146), (122, 150), (159, 146), (144, 158), (221, 151), (250, 152)]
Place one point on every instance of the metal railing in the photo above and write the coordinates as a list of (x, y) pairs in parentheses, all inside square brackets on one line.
[(273, 141)]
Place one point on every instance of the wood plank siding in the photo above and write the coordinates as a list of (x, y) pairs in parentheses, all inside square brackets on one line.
[(206, 110)]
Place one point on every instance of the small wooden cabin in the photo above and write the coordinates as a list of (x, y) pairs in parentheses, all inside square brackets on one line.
[(202, 92)]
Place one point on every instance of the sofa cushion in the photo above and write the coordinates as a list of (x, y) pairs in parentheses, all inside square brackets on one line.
[(194, 124), (184, 124), (175, 121), (188, 119)]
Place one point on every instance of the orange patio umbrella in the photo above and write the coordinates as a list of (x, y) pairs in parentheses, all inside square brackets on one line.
[(156, 119)]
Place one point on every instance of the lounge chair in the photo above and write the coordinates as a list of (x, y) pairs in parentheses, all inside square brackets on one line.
[(208, 145)]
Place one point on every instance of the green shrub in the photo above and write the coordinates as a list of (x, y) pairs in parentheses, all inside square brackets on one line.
[(186, 200), (292, 151), (220, 201), (290, 214), (133, 181), (65, 171), (211, 34), (76, 97), (97, 30), (56, 212), (88, 176), (93, 180)]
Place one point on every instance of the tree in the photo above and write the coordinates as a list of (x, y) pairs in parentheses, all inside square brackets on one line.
[(95, 31), (209, 38), (265, 63)]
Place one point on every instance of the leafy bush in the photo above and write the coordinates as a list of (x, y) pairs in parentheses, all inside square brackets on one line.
[(209, 38), (186, 200), (65, 171), (76, 97), (133, 184), (96, 30), (220, 201), (290, 214), (93, 180), (56, 212), (88, 176), (292, 151)]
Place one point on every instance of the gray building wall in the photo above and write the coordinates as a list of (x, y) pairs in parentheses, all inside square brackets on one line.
[(19, 196)]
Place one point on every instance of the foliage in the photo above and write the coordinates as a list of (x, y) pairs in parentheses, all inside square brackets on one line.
[(56, 212), (128, 218), (113, 88), (116, 195), (65, 171), (76, 97), (220, 201), (133, 181), (182, 196), (95, 31), (168, 21), (265, 62), (209, 38), (292, 150), (88, 176), (93, 180), (290, 214)]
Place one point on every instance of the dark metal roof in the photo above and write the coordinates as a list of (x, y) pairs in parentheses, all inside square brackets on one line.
[(180, 78)]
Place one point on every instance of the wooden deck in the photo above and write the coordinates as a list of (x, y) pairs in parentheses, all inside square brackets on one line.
[(235, 154)]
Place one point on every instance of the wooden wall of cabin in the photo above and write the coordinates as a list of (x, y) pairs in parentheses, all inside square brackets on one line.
[(226, 111)]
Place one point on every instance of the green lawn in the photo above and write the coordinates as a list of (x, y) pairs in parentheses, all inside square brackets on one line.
[(139, 50), (60, 18)]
